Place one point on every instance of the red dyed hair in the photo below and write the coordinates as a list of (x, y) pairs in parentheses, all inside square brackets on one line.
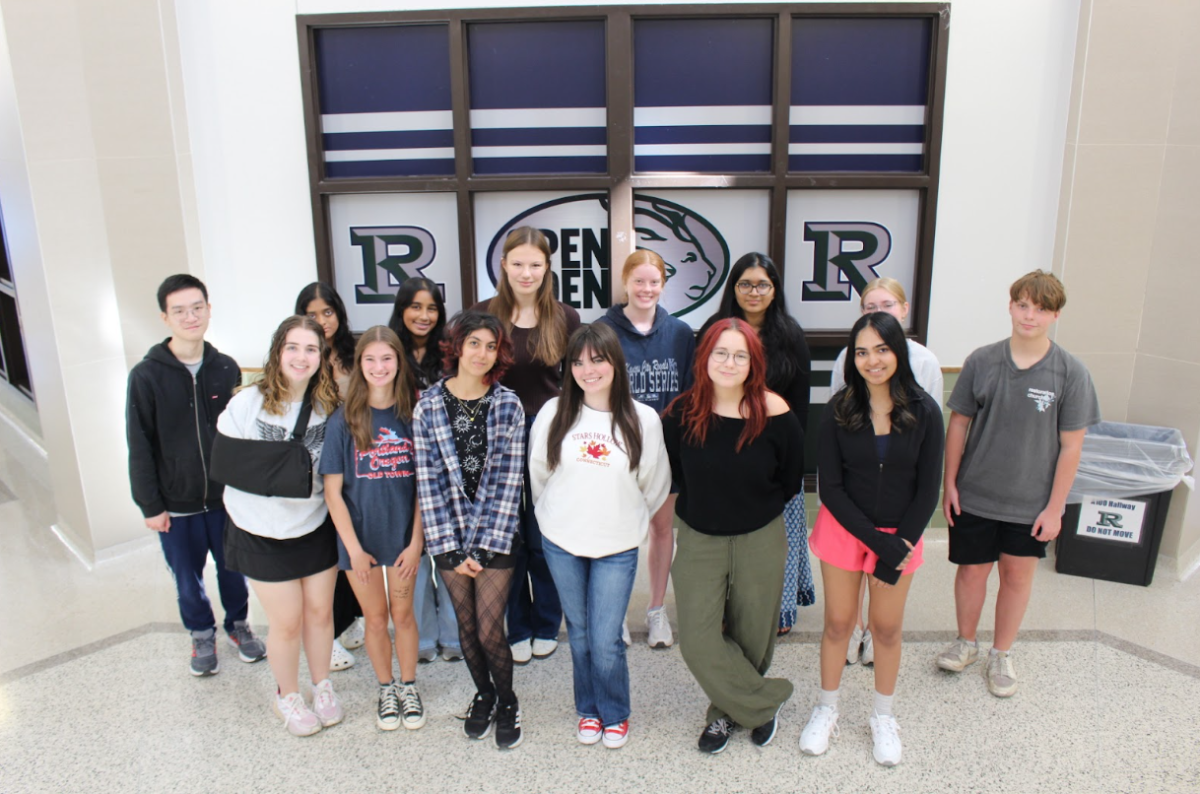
[(463, 325), (695, 406)]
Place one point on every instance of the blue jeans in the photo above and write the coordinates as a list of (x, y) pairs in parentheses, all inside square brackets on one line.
[(595, 597), (436, 621), (186, 547), (534, 611)]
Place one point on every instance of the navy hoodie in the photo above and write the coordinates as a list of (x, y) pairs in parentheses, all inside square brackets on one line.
[(659, 362)]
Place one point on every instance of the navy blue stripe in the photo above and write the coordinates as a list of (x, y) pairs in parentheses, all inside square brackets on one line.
[(716, 133), (541, 165), (552, 136), (855, 162), (537, 64), (858, 133), (416, 139), (375, 69), (684, 62), (717, 163), (390, 168), (860, 61)]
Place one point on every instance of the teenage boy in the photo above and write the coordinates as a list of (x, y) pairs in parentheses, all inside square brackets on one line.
[(175, 395), (1019, 413)]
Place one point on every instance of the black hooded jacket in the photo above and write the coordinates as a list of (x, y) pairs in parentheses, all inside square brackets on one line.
[(171, 420)]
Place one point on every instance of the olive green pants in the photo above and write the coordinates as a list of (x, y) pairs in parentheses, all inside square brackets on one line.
[(736, 582)]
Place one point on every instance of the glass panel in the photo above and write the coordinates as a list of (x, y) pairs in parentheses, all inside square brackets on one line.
[(538, 97), (385, 101), (859, 88), (702, 94)]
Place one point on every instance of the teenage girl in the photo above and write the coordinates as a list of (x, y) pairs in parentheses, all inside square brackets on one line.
[(286, 547), (370, 488), (658, 351), (470, 439), (737, 454), (880, 467), (886, 295), (419, 319), (599, 471), (539, 326), (754, 293)]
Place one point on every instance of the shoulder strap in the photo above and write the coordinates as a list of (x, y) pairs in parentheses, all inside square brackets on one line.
[(305, 412)]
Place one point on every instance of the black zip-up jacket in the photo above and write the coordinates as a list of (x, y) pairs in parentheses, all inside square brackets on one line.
[(171, 420), (864, 493)]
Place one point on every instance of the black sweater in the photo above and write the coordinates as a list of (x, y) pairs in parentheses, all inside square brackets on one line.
[(171, 420), (723, 492), (863, 493)]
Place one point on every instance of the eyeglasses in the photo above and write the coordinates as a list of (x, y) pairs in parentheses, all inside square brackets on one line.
[(721, 355), (180, 312), (885, 306), (761, 288)]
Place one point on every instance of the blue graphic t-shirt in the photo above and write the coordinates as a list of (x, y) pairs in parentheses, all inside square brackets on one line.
[(379, 484)]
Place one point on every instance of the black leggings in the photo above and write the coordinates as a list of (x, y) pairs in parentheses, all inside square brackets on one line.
[(345, 605), (480, 604)]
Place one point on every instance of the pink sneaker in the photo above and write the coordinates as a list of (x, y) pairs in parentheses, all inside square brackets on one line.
[(295, 715), (326, 704)]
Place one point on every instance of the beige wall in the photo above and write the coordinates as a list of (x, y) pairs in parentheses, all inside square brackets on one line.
[(1129, 212)]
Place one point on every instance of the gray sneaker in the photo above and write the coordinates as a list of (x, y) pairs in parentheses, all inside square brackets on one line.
[(1001, 677), (250, 648), (204, 653), (957, 655)]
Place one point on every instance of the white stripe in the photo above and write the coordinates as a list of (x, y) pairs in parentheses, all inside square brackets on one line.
[(855, 148), (539, 151), (820, 395), (537, 118), (802, 115), (368, 155), (821, 365), (706, 114), (691, 149), (387, 122)]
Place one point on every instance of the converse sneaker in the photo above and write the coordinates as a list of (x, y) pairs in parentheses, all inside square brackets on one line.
[(388, 715), (522, 651), (615, 736), (250, 648), (1001, 677), (355, 636), (886, 733), (658, 629), (715, 737), (296, 716), (868, 650), (855, 647), (204, 653), (340, 658), (543, 649), (814, 739), (325, 704), (763, 734), (414, 712), (957, 655), (480, 715), (508, 725), (590, 730)]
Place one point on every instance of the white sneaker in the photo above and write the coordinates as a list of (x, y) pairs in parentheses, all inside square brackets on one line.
[(957, 655), (296, 716), (355, 636), (658, 628), (522, 651), (814, 739), (543, 648), (1001, 676), (340, 659), (855, 646), (326, 705), (868, 650), (427, 655), (625, 638), (886, 733)]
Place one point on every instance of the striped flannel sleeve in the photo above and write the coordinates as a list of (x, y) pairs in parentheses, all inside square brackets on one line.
[(433, 484), (503, 518)]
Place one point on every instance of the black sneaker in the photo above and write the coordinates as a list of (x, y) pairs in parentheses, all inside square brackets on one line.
[(508, 725), (480, 715), (716, 736), (763, 734)]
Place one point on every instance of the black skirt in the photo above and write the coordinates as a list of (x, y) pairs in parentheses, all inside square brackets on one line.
[(270, 560)]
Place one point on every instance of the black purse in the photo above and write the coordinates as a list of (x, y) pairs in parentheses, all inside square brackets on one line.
[(267, 468)]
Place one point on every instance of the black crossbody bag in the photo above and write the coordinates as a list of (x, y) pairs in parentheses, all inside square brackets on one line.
[(267, 468)]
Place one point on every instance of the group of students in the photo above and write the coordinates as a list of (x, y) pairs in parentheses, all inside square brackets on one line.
[(530, 457)]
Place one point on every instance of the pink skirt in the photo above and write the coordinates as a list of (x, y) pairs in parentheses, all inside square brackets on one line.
[(832, 543)]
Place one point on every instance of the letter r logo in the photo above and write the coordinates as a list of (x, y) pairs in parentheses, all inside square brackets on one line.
[(1109, 520), (833, 258), (386, 251)]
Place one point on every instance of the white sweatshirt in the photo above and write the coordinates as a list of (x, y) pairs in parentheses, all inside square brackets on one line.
[(274, 517), (592, 505)]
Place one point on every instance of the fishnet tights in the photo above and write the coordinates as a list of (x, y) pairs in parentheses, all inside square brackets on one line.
[(480, 604)]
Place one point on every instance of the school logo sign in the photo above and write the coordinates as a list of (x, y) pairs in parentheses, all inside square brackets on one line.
[(390, 254), (845, 255)]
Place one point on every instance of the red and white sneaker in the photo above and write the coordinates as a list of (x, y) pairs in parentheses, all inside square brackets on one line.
[(590, 730), (616, 735)]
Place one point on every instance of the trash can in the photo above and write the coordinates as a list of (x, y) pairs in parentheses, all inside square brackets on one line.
[(1118, 504)]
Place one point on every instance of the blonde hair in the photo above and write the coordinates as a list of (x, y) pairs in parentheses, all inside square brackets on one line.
[(890, 285), (548, 341), (358, 408), (643, 256), (1041, 288), (275, 386)]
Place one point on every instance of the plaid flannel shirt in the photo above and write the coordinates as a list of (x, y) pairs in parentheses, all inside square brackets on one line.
[(451, 520)]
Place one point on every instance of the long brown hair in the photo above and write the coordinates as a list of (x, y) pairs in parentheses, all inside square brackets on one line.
[(549, 338), (695, 405), (358, 408), (275, 386), (602, 341)]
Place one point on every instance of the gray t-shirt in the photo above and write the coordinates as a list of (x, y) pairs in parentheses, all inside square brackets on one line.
[(1007, 470)]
